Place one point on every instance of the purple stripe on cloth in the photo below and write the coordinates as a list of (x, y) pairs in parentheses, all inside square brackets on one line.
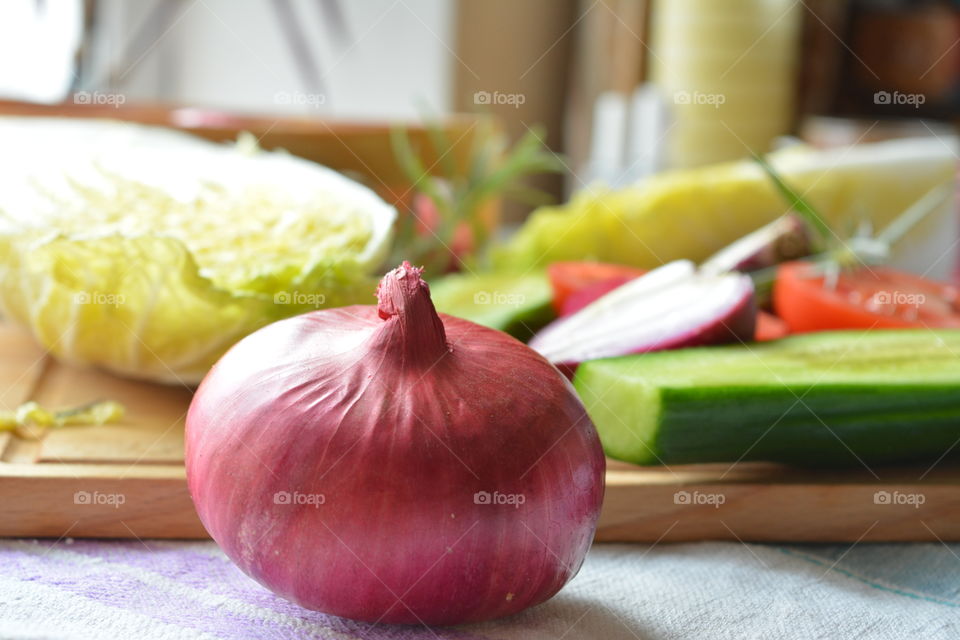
[(219, 584), (134, 595), (217, 575)]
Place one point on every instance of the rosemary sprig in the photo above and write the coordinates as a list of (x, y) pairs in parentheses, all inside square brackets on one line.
[(493, 170), (833, 254), (798, 204)]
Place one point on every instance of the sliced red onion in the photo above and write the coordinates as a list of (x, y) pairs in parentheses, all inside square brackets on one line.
[(786, 238), (672, 306), (591, 293)]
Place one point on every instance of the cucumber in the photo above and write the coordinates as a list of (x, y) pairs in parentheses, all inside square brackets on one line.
[(840, 399), (516, 304)]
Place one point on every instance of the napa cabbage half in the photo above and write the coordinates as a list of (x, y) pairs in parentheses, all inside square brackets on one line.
[(148, 252)]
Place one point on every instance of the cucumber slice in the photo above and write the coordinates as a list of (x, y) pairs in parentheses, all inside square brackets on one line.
[(516, 304), (834, 398)]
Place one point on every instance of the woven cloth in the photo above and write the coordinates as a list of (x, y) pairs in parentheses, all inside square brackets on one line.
[(171, 590)]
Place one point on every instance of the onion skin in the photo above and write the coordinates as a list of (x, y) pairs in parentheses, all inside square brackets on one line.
[(563, 340), (738, 325), (397, 417)]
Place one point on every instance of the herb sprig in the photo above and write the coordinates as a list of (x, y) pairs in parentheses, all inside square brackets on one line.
[(494, 170), (833, 254)]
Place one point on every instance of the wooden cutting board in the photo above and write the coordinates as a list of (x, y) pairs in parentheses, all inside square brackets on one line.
[(127, 480)]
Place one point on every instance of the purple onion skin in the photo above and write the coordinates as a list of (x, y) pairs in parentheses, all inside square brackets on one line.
[(398, 418), (738, 325), (786, 238)]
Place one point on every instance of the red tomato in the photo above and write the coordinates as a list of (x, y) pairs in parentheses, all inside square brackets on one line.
[(876, 297), (582, 297), (769, 327), (567, 278)]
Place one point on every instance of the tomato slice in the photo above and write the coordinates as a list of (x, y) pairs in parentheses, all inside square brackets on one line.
[(566, 278), (769, 327), (582, 297), (876, 297)]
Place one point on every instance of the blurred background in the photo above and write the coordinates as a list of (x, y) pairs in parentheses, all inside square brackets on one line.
[(624, 88)]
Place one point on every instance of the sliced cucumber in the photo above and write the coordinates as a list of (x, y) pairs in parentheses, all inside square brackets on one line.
[(516, 304), (826, 398)]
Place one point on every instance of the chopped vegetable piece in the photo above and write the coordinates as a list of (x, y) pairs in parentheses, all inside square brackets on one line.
[(567, 278), (693, 213), (770, 327), (516, 304), (785, 238), (835, 398), (29, 416), (670, 307), (874, 297), (579, 299)]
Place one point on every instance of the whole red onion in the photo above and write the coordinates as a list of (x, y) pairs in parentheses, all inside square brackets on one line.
[(391, 464)]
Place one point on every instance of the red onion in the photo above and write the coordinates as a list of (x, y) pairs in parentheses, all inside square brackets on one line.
[(673, 306), (786, 238), (390, 464)]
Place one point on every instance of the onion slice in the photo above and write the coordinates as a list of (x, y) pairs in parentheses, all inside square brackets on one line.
[(672, 306)]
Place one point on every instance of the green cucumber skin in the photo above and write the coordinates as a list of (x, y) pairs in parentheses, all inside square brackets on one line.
[(835, 422), (524, 311), (827, 426)]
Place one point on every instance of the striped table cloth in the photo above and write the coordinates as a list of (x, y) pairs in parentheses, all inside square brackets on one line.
[(171, 590)]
